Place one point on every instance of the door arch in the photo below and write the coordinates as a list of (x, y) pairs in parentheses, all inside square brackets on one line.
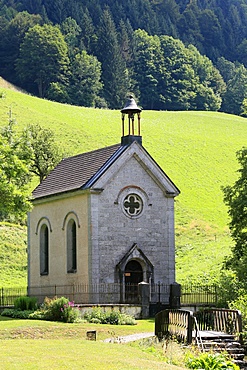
[(133, 274)]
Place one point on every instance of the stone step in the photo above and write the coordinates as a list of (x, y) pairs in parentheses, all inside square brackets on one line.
[(223, 346), (241, 363), (234, 354), (226, 344)]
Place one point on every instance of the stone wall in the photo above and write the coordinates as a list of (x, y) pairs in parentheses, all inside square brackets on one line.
[(114, 233)]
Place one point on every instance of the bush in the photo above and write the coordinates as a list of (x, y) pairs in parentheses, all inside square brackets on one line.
[(98, 316), (210, 361), (25, 303), (58, 309), (16, 313), (241, 304), (228, 287)]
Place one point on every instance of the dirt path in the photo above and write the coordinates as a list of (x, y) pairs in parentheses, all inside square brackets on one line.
[(129, 338)]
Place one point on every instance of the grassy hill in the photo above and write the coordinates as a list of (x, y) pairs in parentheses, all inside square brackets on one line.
[(13, 256), (196, 150)]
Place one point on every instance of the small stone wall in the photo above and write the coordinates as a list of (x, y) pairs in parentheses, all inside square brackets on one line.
[(132, 310)]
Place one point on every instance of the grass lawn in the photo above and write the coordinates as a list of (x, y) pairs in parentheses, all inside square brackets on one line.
[(33, 344)]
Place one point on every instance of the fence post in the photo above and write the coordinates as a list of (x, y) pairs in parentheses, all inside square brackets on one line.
[(1, 297), (240, 326), (190, 327), (144, 293), (216, 294), (161, 328), (175, 295)]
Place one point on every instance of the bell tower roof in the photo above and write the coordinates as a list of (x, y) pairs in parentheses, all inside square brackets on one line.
[(131, 133)]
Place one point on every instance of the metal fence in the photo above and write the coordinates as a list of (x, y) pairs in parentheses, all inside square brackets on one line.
[(8, 295), (199, 294), (113, 294), (160, 293), (80, 293)]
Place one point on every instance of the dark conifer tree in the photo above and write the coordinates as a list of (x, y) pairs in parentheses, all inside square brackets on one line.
[(11, 38), (114, 71), (88, 34), (189, 29)]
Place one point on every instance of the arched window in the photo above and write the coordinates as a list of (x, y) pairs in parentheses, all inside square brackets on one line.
[(71, 247), (44, 250)]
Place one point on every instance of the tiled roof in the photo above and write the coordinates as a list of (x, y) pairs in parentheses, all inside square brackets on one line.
[(74, 173)]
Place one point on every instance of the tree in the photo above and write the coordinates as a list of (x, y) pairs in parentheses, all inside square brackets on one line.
[(211, 32), (71, 31), (88, 35), (11, 38), (114, 71), (181, 83), (57, 10), (43, 57), (85, 81), (241, 52), (174, 77), (236, 91), (226, 69), (210, 85), (14, 175), (193, 82), (235, 197), (149, 70), (43, 152), (189, 28), (33, 6)]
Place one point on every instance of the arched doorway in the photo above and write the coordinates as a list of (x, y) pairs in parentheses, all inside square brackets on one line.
[(133, 276)]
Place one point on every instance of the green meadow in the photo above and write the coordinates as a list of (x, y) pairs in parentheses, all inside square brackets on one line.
[(33, 344), (197, 150)]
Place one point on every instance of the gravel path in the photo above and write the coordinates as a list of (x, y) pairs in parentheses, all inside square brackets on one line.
[(129, 338)]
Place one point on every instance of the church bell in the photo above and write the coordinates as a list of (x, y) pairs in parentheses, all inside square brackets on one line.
[(133, 134)]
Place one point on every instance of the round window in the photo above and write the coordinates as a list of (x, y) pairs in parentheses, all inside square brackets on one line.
[(133, 205)]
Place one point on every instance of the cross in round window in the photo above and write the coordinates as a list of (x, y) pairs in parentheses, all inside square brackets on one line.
[(133, 204)]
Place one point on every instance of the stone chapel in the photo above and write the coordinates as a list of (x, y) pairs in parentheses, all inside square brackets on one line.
[(102, 222)]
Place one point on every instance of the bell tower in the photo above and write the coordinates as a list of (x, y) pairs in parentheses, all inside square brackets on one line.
[(131, 130)]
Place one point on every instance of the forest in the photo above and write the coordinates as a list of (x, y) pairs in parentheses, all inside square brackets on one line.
[(170, 54)]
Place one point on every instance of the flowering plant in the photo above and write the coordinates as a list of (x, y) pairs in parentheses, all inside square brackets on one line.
[(61, 309), (68, 312)]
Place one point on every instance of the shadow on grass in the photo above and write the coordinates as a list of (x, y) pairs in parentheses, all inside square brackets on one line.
[(4, 318)]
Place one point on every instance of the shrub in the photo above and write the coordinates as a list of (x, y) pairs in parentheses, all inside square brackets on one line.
[(210, 361), (38, 315), (25, 303), (98, 316), (241, 304), (16, 313), (56, 309), (59, 309)]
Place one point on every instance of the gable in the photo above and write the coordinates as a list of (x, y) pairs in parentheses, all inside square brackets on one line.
[(134, 253), (143, 158)]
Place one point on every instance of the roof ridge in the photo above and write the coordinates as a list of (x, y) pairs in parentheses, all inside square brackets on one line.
[(92, 151)]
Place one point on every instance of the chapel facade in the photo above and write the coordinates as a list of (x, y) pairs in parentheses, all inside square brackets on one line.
[(102, 222)]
